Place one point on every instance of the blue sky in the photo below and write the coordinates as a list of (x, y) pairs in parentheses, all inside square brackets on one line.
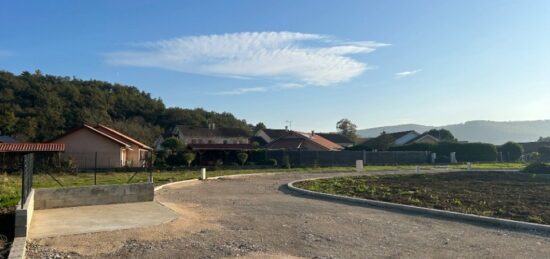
[(312, 62)]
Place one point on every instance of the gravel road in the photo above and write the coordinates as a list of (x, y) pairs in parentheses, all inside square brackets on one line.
[(253, 217)]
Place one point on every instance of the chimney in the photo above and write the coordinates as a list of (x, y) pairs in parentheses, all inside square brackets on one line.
[(286, 128), (313, 133)]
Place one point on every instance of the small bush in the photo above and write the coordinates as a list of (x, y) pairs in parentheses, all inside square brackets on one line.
[(242, 156), (273, 162), (537, 168), (286, 162)]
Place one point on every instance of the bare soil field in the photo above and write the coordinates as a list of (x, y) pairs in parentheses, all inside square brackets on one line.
[(509, 195)]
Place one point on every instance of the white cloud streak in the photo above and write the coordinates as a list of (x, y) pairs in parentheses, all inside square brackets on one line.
[(291, 58), (407, 73)]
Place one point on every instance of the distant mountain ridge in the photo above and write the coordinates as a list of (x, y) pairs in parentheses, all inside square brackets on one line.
[(495, 132)]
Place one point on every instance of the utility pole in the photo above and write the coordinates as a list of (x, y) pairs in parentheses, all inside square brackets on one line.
[(289, 122)]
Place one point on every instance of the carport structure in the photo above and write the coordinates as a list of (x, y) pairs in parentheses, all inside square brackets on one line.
[(12, 154)]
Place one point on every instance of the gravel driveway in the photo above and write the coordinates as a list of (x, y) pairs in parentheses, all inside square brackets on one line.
[(253, 217)]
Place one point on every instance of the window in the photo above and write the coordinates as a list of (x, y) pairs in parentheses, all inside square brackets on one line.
[(225, 141)]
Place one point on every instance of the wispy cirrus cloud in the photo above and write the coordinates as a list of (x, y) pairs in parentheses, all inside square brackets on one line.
[(291, 58), (407, 73), (259, 89)]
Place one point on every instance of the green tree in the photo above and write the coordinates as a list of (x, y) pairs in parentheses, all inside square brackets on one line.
[(45, 106), (347, 128), (259, 126), (511, 151), (442, 134), (382, 142), (189, 157), (242, 156), (173, 144), (8, 121)]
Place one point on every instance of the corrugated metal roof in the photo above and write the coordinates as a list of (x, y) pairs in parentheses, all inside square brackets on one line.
[(32, 147)]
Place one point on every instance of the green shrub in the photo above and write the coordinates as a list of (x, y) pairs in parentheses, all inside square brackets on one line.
[(189, 157), (511, 151), (242, 156), (286, 161), (537, 168), (273, 162), (465, 152)]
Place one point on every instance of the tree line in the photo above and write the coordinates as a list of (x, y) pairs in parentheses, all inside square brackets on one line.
[(37, 107)]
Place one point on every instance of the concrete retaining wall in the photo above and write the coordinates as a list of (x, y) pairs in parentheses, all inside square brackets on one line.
[(50, 198), (23, 216)]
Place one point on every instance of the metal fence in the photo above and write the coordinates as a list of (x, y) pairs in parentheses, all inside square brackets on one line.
[(339, 158), (26, 177)]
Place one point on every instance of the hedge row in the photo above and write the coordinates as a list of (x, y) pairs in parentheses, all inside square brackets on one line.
[(465, 152)]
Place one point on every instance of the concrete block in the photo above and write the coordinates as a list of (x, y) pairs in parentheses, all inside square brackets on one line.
[(93, 195)]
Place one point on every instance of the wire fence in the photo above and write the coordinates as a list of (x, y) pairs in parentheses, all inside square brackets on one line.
[(339, 158)]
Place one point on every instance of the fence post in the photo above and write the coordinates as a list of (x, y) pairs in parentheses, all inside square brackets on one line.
[(300, 157), (95, 168), (364, 156), (150, 167)]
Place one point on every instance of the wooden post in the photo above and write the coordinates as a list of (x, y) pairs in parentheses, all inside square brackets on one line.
[(95, 168)]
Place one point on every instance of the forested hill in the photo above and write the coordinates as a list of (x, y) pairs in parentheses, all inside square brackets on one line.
[(37, 107)]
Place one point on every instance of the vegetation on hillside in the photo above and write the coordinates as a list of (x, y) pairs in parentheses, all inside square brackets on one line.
[(38, 107)]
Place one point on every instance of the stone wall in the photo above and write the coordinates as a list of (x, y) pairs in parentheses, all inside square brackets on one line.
[(49, 198)]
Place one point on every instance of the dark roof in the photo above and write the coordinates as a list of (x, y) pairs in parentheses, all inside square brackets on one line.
[(217, 132), (258, 140), (7, 139), (32, 147), (286, 143), (336, 138), (397, 135), (276, 133), (220, 146)]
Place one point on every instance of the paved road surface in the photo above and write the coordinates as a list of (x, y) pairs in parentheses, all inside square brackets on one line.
[(254, 218)]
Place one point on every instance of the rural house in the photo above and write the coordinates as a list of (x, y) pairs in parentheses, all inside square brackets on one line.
[(210, 135), (403, 138), (338, 139), (103, 147), (294, 140)]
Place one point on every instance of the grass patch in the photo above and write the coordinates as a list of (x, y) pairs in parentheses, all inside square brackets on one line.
[(10, 184), (515, 166), (508, 195)]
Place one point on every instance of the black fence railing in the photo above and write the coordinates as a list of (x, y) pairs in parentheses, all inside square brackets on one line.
[(26, 177), (338, 158)]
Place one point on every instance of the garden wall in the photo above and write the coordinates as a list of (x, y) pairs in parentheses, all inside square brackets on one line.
[(49, 198)]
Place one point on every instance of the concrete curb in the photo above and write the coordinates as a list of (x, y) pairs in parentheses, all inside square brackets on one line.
[(457, 216), (160, 187)]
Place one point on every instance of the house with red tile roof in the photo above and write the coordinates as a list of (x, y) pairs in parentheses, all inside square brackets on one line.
[(104, 147), (294, 140)]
